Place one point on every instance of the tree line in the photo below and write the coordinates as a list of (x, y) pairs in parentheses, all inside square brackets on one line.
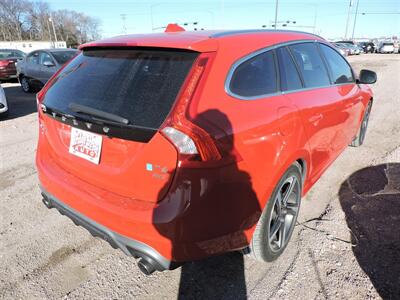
[(36, 21)]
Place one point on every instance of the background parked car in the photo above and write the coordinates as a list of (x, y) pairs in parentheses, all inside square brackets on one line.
[(368, 47), (346, 47), (38, 66), (342, 49), (3, 103), (8, 58), (386, 47)]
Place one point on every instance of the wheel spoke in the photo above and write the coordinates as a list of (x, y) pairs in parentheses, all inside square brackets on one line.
[(282, 234), (292, 210), (289, 190), (275, 229), (278, 202)]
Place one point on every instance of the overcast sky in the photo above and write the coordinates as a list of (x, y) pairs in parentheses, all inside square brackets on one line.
[(330, 16)]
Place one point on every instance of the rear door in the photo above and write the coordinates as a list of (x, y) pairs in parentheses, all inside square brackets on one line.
[(139, 85), (320, 106)]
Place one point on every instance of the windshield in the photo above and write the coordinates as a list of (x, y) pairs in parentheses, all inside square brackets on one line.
[(63, 56), (139, 85), (11, 54)]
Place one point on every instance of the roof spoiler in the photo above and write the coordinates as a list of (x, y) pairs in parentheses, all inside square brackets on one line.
[(171, 27)]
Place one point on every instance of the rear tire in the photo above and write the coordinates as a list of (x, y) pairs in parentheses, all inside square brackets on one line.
[(25, 85), (276, 224), (360, 137)]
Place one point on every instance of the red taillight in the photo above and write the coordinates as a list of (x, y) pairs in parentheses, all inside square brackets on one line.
[(184, 133), (4, 63)]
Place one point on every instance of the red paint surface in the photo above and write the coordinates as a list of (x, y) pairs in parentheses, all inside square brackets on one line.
[(193, 209)]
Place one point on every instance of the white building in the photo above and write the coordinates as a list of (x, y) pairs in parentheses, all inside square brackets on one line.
[(28, 46)]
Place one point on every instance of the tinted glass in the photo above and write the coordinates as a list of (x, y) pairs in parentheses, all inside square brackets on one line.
[(33, 58), (289, 76), (139, 85), (340, 70), (11, 54), (310, 64), (63, 56), (255, 77)]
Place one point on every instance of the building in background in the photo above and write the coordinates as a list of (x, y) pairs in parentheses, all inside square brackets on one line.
[(28, 46)]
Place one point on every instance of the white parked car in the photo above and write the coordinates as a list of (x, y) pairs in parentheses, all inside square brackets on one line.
[(3, 103), (386, 47)]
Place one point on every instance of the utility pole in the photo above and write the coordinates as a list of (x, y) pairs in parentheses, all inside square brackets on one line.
[(123, 17), (54, 31), (222, 4), (315, 18), (276, 14), (348, 18), (355, 20)]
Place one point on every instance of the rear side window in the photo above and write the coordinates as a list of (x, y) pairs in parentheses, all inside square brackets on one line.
[(139, 85), (290, 79), (310, 64), (339, 68), (255, 77)]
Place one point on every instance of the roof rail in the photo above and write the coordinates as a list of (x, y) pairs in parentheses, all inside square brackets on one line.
[(245, 31)]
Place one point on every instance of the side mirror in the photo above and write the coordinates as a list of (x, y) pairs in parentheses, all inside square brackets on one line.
[(367, 77), (48, 63)]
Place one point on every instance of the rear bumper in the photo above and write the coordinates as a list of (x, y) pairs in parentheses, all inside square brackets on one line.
[(7, 73), (205, 212), (129, 246)]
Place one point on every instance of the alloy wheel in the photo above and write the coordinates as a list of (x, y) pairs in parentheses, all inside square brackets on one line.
[(284, 213), (25, 84)]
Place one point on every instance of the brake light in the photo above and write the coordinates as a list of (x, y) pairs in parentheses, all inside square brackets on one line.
[(187, 137), (4, 63)]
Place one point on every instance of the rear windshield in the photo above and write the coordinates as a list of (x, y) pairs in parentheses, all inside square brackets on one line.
[(139, 85), (63, 56), (11, 54)]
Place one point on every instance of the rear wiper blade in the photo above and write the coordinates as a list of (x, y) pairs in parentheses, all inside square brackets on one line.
[(97, 114)]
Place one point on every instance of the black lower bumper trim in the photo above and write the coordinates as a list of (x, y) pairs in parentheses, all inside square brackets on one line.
[(127, 245)]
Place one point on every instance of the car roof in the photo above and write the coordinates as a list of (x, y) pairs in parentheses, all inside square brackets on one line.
[(205, 40), (55, 50)]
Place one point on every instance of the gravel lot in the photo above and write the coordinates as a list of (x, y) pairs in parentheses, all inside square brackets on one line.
[(346, 245)]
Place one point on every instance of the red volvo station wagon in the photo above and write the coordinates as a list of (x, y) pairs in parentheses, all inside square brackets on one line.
[(177, 146)]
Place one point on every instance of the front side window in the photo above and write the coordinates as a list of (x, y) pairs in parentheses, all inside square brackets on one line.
[(290, 79), (255, 77), (340, 69), (33, 58), (310, 64), (45, 57)]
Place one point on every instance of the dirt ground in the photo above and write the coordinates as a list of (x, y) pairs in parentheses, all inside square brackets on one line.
[(346, 245)]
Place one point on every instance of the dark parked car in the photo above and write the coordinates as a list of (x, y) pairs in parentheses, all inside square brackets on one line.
[(368, 47), (8, 58), (38, 66)]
